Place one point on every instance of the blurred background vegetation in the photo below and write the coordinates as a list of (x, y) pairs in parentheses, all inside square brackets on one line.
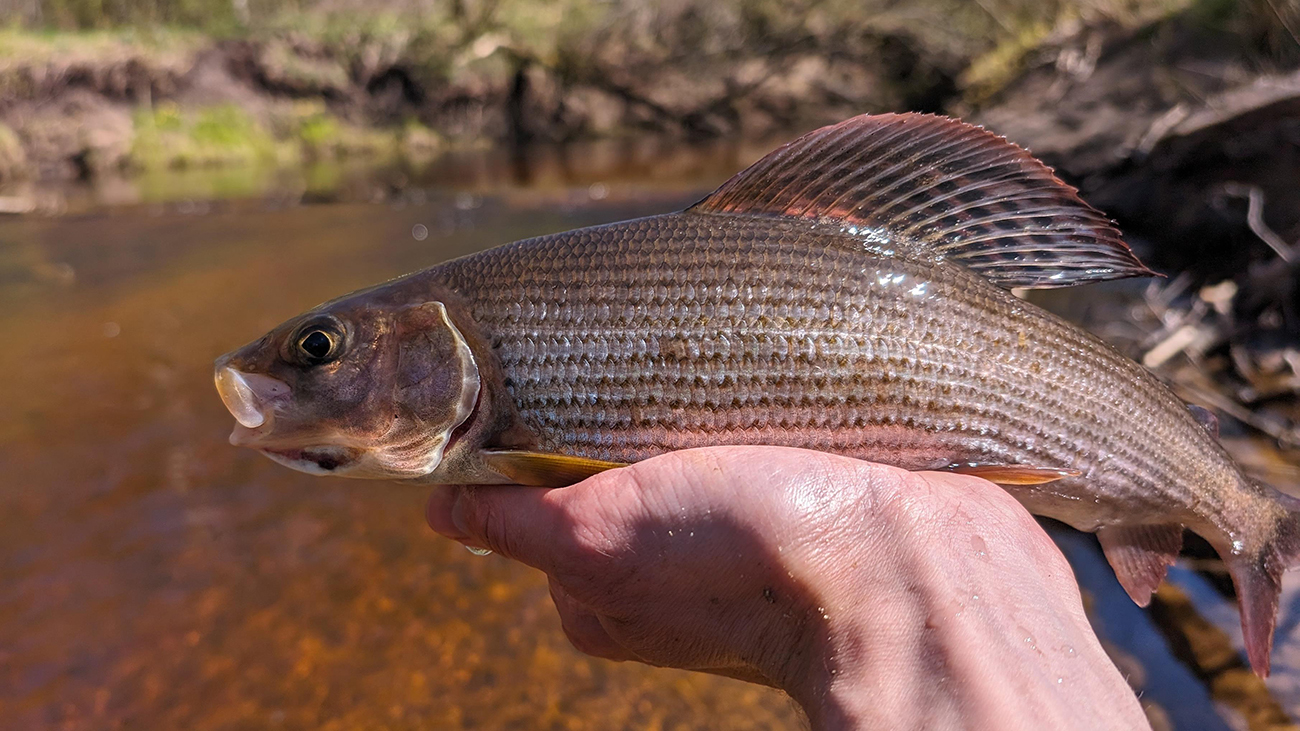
[(95, 86)]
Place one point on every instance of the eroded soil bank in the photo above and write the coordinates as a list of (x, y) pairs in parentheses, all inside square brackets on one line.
[(397, 82)]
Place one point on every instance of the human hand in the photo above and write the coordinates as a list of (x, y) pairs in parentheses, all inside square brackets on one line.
[(872, 595)]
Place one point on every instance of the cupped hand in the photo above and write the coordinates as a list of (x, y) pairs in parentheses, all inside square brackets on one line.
[(872, 595)]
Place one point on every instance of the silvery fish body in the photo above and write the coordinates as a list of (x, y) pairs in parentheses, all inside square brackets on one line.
[(848, 293)]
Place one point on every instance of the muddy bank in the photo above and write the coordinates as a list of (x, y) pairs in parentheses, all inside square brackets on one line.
[(1083, 92), (196, 102)]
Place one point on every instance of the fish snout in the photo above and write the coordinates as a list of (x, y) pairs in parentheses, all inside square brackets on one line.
[(249, 397)]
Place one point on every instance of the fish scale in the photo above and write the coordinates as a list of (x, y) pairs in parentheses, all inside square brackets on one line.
[(578, 371), (846, 293)]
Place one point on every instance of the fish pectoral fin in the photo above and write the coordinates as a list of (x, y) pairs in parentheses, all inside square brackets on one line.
[(543, 469), (1013, 474), (1141, 555)]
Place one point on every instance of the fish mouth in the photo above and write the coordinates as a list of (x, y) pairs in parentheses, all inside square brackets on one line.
[(249, 397), (317, 460)]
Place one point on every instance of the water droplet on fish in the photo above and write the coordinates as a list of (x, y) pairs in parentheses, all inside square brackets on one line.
[(478, 551)]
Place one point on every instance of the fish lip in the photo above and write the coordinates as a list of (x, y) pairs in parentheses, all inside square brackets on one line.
[(322, 459), (253, 437), (249, 397)]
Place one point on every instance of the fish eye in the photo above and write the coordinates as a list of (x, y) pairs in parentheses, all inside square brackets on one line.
[(316, 344), (319, 343)]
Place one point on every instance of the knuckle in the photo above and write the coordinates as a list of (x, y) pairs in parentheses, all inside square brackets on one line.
[(596, 552), (489, 523)]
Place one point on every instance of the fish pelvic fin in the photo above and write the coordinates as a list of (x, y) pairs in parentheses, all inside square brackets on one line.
[(936, 187)]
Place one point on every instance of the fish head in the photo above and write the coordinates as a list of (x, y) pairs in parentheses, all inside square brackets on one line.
[(365, 386)]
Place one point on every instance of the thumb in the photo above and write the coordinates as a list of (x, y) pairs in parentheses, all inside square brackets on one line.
[(526, 524)]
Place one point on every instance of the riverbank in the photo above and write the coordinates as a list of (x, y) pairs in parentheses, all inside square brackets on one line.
[(294, 91)]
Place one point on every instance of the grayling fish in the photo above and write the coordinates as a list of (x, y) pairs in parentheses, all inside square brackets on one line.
[(847, 293)]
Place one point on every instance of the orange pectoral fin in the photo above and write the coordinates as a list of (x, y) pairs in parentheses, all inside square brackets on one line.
[(1014, 474), (541, 469)]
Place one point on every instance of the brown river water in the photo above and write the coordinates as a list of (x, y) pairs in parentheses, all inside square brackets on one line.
[(153, 576)]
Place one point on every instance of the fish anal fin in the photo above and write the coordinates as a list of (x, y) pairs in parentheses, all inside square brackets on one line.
[(1014, 474), (544, 469), (940, 188), (1205, 418), (1141, 556)]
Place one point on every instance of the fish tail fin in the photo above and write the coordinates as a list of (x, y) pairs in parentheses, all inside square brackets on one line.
[(1258, 584), (1257, 576)]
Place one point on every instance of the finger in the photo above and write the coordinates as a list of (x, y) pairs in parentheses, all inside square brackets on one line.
[(583, 628), (521, 523), (749, 675), (437, 512)]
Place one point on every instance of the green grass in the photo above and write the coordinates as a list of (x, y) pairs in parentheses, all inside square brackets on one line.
[(32, 46), (220, 136), (227, 136)]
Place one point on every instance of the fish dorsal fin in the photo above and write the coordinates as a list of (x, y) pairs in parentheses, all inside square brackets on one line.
[(544, 469), (1141, 556), (936, 187), (1205, 418)]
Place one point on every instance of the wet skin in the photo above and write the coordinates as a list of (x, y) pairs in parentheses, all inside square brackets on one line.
[(875, 597)]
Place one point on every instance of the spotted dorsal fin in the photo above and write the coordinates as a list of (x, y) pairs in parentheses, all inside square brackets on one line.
[(940, 188)]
